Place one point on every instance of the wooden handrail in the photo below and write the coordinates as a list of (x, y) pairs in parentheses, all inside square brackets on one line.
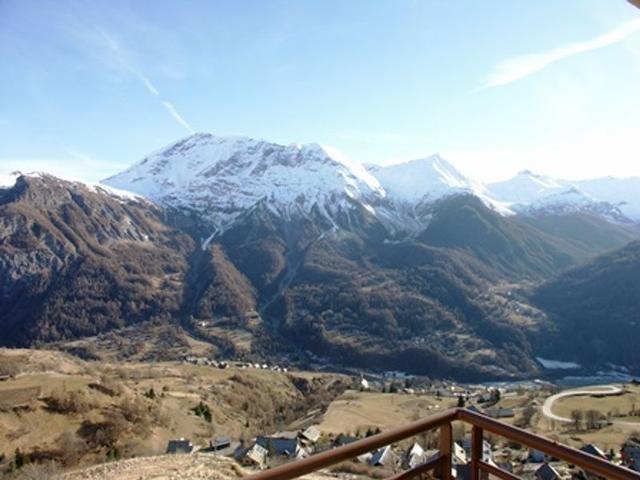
[(582, 459), (443, 420), (416, 472), (352, 450), (496, 471)]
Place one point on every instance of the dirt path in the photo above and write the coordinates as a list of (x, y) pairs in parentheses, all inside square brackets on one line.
[(168, 467)]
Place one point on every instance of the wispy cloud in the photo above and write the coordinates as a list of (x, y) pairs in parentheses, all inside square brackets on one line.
[(122, 60), (149, 86), (178, 118), (516, 68)]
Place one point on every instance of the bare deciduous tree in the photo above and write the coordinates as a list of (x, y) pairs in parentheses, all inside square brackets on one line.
[(576, 417)]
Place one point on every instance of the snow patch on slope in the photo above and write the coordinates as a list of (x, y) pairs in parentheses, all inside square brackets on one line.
[(557, 364)]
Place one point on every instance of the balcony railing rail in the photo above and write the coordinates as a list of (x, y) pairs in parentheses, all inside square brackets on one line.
[(441, 464)]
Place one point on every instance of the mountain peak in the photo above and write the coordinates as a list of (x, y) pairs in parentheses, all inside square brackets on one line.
[(225, 176), (427, 178)]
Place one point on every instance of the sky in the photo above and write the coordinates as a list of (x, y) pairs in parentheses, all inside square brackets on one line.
[(495, 86)]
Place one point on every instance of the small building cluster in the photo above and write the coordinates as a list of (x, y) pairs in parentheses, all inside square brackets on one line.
[(285, 446), (205, 361)]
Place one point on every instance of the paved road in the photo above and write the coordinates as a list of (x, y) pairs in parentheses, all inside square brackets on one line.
[(547, 407)]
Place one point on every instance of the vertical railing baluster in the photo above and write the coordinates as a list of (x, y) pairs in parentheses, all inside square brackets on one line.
[(476, 452), (446, 446)]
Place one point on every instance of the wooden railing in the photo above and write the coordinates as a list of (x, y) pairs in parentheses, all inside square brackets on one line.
[(441, 464)]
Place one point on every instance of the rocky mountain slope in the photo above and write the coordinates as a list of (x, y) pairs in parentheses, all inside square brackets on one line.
[(75, 261)]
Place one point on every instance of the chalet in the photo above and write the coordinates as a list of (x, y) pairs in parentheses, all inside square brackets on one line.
[(547, 472), (486, 449), (285, 444), (475, 409), (463, 472), (501, 412), (385, 457), (365, 458), (459, 455), (631, 455), (310, 435), (256, 455), (341, 440), (413, 457), (536, 456), (594, 450), (506, 466), (219, 443), (179, 446)]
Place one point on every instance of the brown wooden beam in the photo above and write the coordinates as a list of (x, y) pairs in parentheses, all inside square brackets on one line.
[(446, 447), (497, 472), (476, 452), (352, 450), (585, 461), (443, 421), (417, 472)]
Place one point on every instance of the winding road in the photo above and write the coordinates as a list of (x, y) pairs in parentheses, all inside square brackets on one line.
[(605, 390)]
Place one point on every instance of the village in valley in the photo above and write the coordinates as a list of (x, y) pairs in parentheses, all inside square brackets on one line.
[(259, 415), (519, 403)]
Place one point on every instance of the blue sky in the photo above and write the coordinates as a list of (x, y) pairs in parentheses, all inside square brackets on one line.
[(495, 86)]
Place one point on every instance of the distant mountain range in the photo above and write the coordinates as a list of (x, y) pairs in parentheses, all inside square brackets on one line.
[(224, 176), (268, 250)]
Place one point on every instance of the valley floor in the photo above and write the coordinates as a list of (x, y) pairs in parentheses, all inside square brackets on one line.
[(83, 413)]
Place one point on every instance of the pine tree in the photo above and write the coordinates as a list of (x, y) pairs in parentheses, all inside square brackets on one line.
[(19, 459)]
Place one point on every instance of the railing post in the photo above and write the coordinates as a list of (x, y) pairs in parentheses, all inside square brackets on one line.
[(476, 452), (446, 446)]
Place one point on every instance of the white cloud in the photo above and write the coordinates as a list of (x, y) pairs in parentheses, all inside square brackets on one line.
[(522, 66)]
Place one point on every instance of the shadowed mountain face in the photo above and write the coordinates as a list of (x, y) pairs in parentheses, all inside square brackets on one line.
[(595, 309), (76, 261)]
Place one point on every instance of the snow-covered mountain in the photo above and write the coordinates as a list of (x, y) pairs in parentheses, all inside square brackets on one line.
[(223, 177), (624, 193), (415, 180), (525, 188), (529, 193), (428, 179)]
